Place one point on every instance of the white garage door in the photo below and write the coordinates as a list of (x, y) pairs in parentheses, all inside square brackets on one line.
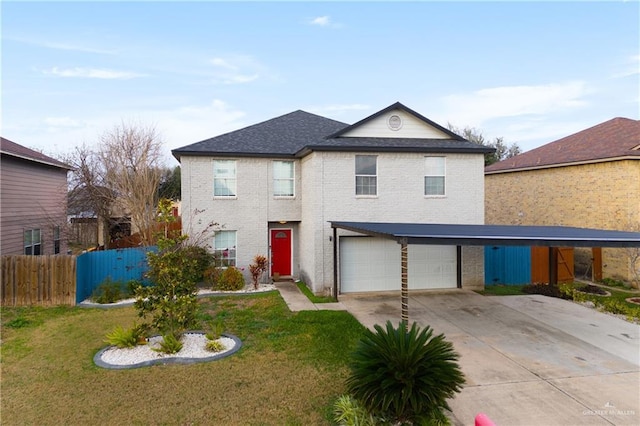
[(373, 264)]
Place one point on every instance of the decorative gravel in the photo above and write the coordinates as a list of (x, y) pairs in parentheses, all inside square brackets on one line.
[(249, 289), (193, 351)]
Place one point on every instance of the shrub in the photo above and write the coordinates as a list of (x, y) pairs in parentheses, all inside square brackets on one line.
[(545, 290), (215, 346), (404, 375), (170, 344), (257, 268), (122, 338), (231, 280), (202, 261), (211, 276), (348, 412), (110, 291), (215, 330)]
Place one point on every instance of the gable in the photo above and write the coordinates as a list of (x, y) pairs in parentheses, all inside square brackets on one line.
[(395, 123)]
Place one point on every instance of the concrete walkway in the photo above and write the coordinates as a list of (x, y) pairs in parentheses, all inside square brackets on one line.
[(528, 360), (299, 302)]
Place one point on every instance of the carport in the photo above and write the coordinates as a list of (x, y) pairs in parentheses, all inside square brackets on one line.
[(479, 235)]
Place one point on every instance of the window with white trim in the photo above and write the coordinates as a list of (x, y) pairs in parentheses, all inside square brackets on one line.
[(283, 179), (224, 178), (434, 176), (32, 242), (366, 175), (224, 248)]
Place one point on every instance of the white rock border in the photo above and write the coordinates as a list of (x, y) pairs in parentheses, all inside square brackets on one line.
[(192, 352), (262, 288)]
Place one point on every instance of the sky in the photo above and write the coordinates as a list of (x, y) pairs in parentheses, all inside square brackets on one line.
[(529, 72)]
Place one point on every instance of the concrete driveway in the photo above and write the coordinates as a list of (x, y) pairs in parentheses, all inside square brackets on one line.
[(528, 360)]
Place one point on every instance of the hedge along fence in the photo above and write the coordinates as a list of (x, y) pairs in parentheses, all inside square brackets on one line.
[(38, 280)]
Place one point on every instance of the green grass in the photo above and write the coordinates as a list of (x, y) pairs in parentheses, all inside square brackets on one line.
[(502, 290), (290, 369), (312, 297)]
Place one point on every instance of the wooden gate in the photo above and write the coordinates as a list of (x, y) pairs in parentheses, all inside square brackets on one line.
[(540, 264)]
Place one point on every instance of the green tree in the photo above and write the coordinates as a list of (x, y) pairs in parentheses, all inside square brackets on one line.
[(405, 375), (502, 150), (170, 185), (174, 271)]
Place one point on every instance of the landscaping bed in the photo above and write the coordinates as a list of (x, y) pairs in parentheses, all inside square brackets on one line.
[(290, 369)]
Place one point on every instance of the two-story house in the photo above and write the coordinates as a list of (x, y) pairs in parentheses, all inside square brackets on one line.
[(277, 186), (34, 201)]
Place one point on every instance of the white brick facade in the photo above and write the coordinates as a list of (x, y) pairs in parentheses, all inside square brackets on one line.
[(325, 186), (325, 191)]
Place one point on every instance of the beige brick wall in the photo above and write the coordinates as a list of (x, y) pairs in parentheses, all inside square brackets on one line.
[(602, 195)]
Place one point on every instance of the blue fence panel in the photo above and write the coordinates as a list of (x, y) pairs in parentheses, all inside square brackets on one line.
[(118, 265), (509, 265)]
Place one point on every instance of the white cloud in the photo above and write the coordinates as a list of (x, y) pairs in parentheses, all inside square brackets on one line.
[(239, 79), (62, 46), (236, 69), (474, 109), (223, 63), (106, 74), (64, 122), (630, 68), (321, 21)]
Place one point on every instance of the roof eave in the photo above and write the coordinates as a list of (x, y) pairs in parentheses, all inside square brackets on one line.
[(567, 164)]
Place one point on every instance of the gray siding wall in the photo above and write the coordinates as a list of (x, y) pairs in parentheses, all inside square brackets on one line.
[(32, 196)]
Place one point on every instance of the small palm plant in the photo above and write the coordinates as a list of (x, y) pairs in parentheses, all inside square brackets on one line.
[(405, 375)]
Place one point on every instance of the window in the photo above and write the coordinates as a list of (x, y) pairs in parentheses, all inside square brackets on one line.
[(283, 178), (225, 248), (56, 240), (224, 178), (366, 175), (32, 242), (434, 176)]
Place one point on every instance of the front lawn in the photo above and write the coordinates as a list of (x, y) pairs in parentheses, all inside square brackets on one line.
[(290, 369)]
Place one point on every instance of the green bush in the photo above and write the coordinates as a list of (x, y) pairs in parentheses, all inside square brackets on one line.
[(211, 276), (202, 261), (215, 346), (110, 291), (230, 280), (215, 330), (405, 375), (348, 412), (170, 344), (126, 338)]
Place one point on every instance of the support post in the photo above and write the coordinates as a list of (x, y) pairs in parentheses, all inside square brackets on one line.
[(335, 264), (553, 266), (404, 276)]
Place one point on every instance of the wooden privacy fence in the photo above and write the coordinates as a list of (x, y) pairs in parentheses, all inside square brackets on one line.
[(38, 280)]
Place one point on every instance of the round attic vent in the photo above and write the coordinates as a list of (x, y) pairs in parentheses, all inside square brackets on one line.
[(394, 122)]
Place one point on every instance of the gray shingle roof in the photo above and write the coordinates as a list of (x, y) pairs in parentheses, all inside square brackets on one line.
[(284, 135), (298, 133), (16, 150)]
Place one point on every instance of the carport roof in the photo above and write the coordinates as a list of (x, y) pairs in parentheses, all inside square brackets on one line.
[(485, 235)]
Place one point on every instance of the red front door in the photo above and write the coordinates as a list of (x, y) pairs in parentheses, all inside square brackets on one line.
[(281, 251)]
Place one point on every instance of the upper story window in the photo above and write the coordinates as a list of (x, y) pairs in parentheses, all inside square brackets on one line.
[(224, 178), (283, 179), (32, 242), (56, 240), (224, 248), (434, 176), (366, 175)]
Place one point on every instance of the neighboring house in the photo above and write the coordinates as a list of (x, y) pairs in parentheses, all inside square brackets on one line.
[(275, 187), (34, 201), (590, 179)]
